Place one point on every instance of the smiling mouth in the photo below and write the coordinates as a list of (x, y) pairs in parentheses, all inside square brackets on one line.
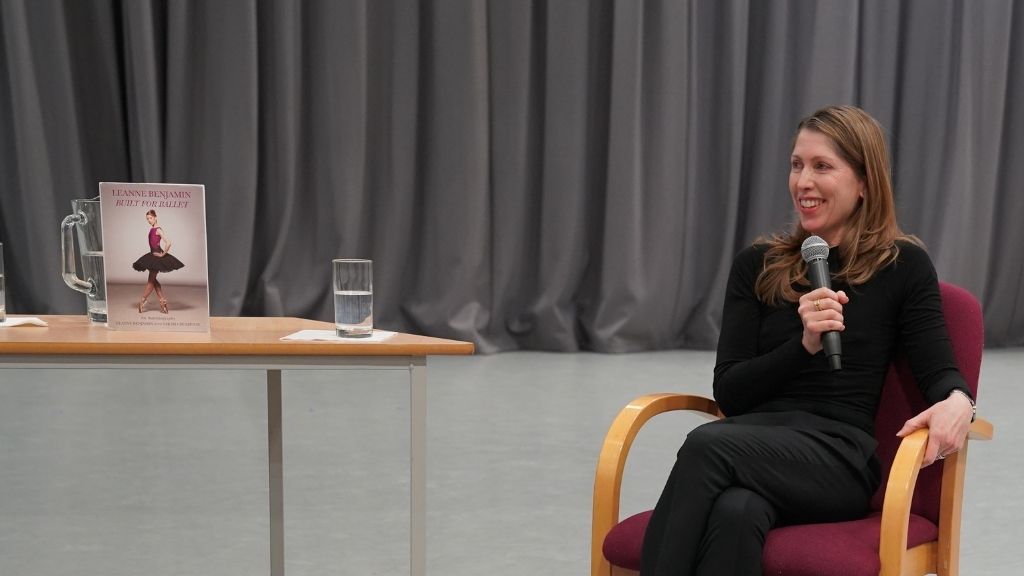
[(811, 202)]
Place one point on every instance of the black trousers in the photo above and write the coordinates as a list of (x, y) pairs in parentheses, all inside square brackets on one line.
[(736, 478)]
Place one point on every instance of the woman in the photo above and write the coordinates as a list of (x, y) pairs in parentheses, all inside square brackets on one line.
[(156, 260), (797, 443)]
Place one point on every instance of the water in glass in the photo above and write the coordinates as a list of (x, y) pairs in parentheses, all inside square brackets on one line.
[(92, 269), (353, 312)]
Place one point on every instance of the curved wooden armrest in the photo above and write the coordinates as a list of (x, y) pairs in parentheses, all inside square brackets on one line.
[(899, 496), (981, 429), (612, 461)]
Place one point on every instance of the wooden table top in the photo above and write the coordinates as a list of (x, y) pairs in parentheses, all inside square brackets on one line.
[(76, 335)]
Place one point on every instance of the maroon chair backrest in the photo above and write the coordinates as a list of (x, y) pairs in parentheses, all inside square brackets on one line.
[(901, 399)]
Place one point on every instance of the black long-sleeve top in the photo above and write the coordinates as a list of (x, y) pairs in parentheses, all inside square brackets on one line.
[(762, 365)]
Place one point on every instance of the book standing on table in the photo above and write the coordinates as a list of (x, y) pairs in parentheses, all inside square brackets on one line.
[(167, 287)]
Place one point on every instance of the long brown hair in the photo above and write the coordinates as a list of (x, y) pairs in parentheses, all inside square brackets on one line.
[(870, 234)]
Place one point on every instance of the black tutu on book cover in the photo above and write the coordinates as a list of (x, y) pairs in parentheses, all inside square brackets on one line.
[(154, 263), (165, 263)]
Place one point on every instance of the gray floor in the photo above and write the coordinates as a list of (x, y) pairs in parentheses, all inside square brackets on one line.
[(125, 473)]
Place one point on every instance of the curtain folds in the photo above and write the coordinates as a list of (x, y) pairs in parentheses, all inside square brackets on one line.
[(525, 174)]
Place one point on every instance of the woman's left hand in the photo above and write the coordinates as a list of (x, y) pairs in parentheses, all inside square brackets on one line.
[(947, 423)]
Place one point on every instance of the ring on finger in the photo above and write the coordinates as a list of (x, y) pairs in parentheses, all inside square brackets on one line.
[(817, 305)]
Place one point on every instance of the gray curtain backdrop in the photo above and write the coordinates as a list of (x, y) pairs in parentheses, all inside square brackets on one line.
[(556, 175)]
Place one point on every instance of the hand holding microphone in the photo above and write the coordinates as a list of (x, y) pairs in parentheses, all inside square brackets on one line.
[(821, 309)]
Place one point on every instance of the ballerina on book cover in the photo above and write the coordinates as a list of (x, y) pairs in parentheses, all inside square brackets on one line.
[(157, 260)]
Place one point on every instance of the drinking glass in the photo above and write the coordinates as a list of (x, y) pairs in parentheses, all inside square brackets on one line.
[(353, 297), (3, 295)]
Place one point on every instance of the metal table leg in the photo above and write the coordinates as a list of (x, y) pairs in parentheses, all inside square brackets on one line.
[(276, 460), (418, 466)]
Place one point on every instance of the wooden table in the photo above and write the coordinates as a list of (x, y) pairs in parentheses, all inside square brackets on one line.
[(247, 343)]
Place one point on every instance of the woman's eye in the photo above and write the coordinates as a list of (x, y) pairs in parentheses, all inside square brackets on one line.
[(821, 166), (794, 165)]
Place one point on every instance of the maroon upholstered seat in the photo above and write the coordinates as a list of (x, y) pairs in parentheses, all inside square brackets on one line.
[(926, 517)]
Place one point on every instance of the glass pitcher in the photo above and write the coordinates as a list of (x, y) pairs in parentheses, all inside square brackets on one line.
[(85, 216)]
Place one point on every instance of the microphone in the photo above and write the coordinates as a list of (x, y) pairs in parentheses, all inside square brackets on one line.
[(815, 253)]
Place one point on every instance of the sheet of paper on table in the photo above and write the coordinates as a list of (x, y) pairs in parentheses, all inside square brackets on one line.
[(13, 321), (331, 336)]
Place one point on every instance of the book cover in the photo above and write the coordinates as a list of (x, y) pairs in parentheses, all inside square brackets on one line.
[(154, 251)]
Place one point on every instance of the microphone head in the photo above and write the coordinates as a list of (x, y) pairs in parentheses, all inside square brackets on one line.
[(814, 248)]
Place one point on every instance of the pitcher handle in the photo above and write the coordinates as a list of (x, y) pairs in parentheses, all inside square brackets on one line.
[(67, 250)]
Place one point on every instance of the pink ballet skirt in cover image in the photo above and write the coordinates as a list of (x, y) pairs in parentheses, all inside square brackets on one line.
[(150, 261)]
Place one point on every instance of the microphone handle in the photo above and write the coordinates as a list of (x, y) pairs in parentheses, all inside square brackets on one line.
[(817, 272), (833, 350)]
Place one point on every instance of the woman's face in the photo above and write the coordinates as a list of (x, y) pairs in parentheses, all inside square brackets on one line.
[(151, 219), (825, 189)]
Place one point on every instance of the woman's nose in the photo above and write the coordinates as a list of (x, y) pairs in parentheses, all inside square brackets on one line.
[(805, 179)]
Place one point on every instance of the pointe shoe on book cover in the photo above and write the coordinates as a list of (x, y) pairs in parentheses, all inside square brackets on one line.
[(142, 306), (163, 306)]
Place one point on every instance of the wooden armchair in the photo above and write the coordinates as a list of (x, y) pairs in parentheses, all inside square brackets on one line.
[(914, 526)]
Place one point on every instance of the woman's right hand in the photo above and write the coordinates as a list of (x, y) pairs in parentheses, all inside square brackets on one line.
[(821, 310)]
